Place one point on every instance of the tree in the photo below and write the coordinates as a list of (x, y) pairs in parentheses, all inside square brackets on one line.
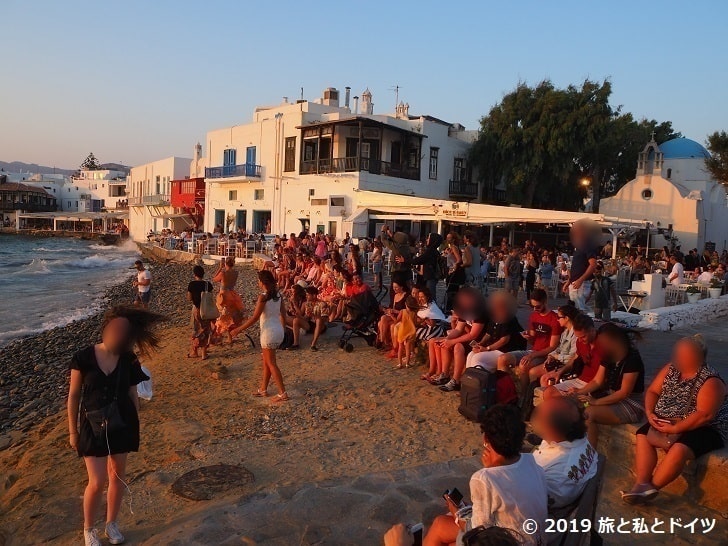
[(91, 163), (717, 164), (542, 141)]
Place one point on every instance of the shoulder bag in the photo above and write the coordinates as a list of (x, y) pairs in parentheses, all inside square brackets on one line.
[(208, 308)]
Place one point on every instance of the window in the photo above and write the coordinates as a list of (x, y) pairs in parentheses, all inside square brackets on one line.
[(311, 192), (233, 195), (258, 195), (229, 157), (434, 152), (647, 194), (459, 174), (289, 161), (669, 173), (337, 201)]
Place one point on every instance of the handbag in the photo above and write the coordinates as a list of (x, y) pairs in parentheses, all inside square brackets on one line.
[(107, 419), (208, 307)]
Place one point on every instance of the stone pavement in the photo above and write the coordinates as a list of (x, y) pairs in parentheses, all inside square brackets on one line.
[(358, 510)]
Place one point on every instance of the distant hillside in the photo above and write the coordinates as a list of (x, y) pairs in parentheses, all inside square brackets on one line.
[(19, 166)]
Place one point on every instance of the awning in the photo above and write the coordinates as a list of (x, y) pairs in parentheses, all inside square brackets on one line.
[(360, 215), (464, 212)]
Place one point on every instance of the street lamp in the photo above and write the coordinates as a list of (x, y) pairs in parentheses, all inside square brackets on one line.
[(585, 182)]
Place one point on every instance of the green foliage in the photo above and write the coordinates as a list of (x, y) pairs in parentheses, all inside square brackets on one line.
[(718, 163), (91, 163), (541, 141)]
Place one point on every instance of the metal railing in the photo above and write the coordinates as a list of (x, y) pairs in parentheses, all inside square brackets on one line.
[(353, 164), (247, 170), (463, 188), (158, 199), (27, 207)]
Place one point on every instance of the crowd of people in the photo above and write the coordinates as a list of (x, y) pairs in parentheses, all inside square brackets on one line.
[(571, 369)]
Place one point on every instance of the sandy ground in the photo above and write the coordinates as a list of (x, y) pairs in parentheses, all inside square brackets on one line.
[(349, 414)]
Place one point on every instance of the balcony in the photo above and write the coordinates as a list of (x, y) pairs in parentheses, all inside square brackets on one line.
[(134, 200), (155, 199), (463, 189), (7, 206), (349, 164), (246, 170)]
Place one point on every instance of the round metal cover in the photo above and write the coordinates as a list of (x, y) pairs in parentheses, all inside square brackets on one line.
[(207, 481)]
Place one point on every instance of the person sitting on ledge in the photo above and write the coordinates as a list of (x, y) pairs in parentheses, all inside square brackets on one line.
[(687, 414), (568, 460), (622, 374), (509, 491)]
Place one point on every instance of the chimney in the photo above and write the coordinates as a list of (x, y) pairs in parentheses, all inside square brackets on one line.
[(198, 151), (347, 92), (331, 97), (356, 104), (367, 106)]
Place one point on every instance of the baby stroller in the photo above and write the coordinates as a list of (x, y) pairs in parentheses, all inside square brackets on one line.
[(360, 320)]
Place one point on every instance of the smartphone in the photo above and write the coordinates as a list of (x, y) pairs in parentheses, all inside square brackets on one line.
[(416, 530), (663, 421), (474, 343), (455, 496)]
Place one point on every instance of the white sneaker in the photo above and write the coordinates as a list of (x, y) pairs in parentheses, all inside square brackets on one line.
[(113, 533), (91, 537)]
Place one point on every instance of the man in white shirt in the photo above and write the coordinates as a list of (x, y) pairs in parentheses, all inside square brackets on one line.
[(143, 284), (510, 491), (567, 458), (677, 273)]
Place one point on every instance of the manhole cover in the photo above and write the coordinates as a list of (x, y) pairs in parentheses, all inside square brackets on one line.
[(206, 482)]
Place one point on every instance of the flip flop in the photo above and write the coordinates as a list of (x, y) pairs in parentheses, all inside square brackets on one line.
[(639, 498)]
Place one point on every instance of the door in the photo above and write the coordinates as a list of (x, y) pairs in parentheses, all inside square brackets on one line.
[(250, 161), (228, 161), (261, 221), (219, 218), (241, 220), (396, 156), (332, 229)]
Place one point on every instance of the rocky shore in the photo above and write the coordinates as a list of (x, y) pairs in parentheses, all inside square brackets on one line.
[(34, 369)]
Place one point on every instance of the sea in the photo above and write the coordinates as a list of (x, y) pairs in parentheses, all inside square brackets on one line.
[(49, 282)]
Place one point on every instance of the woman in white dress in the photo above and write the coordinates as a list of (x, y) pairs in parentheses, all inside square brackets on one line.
[(269, 310)]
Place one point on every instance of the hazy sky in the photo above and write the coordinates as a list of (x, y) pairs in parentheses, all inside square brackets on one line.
[(136, 81)]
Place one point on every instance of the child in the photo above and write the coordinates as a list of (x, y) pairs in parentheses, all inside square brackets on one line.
[(405, 332), (603, 290)]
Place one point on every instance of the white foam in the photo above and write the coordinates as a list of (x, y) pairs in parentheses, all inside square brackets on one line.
[(37, 266)]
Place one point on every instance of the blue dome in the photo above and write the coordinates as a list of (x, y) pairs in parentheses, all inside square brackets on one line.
[(682, 148)]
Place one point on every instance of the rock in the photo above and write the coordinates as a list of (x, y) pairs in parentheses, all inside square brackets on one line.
[(5, 442), (341, 407)]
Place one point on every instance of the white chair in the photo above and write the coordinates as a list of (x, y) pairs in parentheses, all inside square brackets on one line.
[(249, 249)]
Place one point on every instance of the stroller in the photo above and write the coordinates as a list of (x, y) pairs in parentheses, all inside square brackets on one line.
[(360, 320)]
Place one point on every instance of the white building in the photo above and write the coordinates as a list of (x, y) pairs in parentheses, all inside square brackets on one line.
[(304, 165), (148, 189), (100, 189), (673, 189)]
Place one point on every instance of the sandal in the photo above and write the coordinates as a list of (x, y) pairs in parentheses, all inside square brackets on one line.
[(260, 393), (314, 348), (278, 398), (192, 356), (426, 377)]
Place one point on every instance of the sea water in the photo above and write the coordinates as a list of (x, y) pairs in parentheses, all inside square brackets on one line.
[(49, 282)]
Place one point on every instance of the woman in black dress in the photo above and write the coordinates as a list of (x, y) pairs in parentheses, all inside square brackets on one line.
[(105, 375)]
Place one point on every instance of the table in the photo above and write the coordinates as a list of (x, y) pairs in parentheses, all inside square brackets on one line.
[(633, 296)]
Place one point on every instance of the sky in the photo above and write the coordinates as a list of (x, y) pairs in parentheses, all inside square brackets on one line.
[(136, 81)]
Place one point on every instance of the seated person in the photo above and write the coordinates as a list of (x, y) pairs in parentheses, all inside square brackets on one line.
[(583, 365), (400, 293), (568, 459), (687, 414), (431, 321), (510, 488), (706, 276), (471, 316), (502, 334), (544, 333), (622, 375), (567, 342), (313, 319)]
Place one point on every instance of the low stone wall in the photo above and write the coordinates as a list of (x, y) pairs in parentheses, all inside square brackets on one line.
[(259, 261), (159, 254), (704, 481), (686, 314)]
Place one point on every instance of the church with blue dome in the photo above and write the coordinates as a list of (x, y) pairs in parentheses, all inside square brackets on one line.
[(673, 188)]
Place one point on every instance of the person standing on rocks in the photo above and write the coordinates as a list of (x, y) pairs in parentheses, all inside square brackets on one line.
[(201, 328), (143, 284), (103, 406), (270, 310)]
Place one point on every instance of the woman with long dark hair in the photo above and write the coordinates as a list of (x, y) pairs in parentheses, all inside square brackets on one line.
[(103, 420), (270, 310)]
